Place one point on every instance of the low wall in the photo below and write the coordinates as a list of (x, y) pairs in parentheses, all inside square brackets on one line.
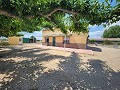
[(70, 45)]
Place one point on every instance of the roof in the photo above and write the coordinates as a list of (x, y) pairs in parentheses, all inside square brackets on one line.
[(103, 39), (58, 35), (44, 29)]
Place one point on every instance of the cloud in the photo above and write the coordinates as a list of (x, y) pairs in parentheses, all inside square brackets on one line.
[(97, 31), (113, 24), (92, 27), (37, 34), (96, 34)]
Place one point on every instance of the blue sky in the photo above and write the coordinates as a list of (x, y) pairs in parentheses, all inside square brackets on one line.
[(97, 31), (37, 34), (112, 3)]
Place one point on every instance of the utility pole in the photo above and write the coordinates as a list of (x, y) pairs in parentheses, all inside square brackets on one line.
[(65, 42)]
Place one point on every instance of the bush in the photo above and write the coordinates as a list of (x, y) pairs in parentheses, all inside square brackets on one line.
[(112, 32), (92, 41), (118, 43), (4, 44), (107, 42)]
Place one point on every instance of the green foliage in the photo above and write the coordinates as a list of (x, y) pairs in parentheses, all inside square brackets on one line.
[(32, 37), (107, 42), (31, 15), (10, 26), (92, 41), (4, 44), (19, 34), (118, 43), (112, 32)]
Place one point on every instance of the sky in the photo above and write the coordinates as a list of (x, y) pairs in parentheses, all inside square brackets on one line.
[(37, 34), (97, 31)]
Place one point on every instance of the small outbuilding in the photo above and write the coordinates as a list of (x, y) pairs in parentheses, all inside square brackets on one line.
[(26, 40), (15, 40)]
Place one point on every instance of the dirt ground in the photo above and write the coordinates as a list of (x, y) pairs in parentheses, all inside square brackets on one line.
[(28, 67)]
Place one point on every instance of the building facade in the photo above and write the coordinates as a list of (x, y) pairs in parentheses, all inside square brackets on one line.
[(57, 38)]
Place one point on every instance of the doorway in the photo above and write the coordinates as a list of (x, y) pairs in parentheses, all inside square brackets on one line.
[(54, 41), (47, 41)]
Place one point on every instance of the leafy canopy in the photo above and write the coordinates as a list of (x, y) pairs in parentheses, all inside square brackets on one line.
[(73, 15), (112, 32)]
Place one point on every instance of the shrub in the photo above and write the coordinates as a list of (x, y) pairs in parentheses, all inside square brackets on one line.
[(118, 43), (92, 41), (107, 42), (4, 44)]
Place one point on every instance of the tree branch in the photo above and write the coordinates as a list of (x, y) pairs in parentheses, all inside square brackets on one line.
[(60, 9), (2, 12), (52, 12)]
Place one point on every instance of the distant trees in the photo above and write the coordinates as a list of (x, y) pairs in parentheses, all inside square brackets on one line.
[(32, 37), (112, 32)]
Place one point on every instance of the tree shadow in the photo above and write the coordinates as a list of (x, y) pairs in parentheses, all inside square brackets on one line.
[(7, 66), (8, 51), (3, 52), (94, 48), (19, 52), (72, 76), (22, 75), (29, 75)]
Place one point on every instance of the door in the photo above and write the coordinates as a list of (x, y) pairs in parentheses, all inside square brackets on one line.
[(47, 41), (54, 41)]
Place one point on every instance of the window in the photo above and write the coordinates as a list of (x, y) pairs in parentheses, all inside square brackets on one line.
[(66, 40)]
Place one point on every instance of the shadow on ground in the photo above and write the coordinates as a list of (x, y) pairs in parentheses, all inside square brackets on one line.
[(29, 75), (93, 48)]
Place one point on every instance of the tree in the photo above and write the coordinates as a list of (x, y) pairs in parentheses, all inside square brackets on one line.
[(112, 32), (31, 15), (32, 37)]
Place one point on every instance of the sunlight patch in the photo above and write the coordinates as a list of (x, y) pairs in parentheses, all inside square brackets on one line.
[(37, 53), (51, 65), (59, 53), (5, 49), (4, 78), (84, 63), (85, 66), (18, 59)]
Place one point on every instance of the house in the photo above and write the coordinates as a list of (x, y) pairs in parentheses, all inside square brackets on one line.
[(57, 38), (15, 40)]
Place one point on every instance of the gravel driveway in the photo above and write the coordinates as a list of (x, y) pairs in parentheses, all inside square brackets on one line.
[(32, 68)]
